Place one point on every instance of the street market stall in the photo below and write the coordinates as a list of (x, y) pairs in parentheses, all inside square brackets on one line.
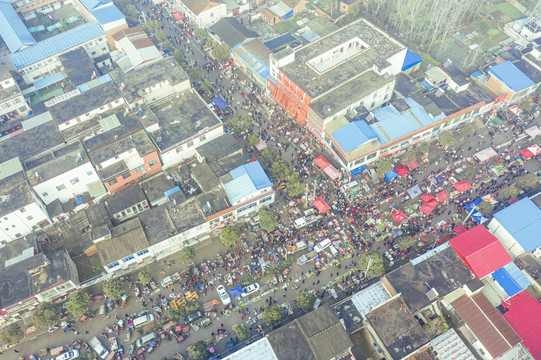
[(332, 172), (322, 162), (401, 170), (526, 153), (426, 208), (321, 205), (412, 164), (399, 216), (533, 131), (414, 191), (391, 175), (443, 196), (427, 197), (485, 155), (462, 186)]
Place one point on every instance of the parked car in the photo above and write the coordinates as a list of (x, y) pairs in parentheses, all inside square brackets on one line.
[(224, 297), (250, 289), (193, 317), (73, 354), (53, 328)]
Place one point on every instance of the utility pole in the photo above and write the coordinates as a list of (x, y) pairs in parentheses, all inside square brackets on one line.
[(535, 16)]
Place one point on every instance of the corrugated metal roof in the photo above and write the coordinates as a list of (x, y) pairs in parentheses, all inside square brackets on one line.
[(511, 76), (523, 221), (524, 315), (370, 298), (247, 179), (280, 41), (486, 323), (511, 279), (37, 120), (56, 44), (48, 80), (260, 350), (13, 31), (107, 14), (92, 4), (353, 135), (449, 346)]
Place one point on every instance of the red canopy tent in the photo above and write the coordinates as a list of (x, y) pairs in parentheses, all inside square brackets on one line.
[(322, 162), (413, 164), (399, 216), (462, 186), (332, 172), (178, 16), (321, 204), (426, 208), (401, 170), (427, 197), (534, 149), (443, 196), (526, 153), (433, 202)]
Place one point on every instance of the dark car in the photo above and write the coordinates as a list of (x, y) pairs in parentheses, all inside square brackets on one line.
[(192, 317)]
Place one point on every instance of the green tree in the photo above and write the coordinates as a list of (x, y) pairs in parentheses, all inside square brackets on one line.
[(527, 182), (198, 351), (78, 303), (304, 299), (243, 332), (168, 45), (209, 43), (446, 138), (195, 74), (253, 140), (247, 121), (383, 167), (205, 85), (424, 148), (272, 315), (127, 9), (509, 192), (485, 208), (192, 307), (200, 32), (405, 243), (114, 288), (144, 277), (187, 254), (46, 315), (267, 156), (374, 262), (280, 169), (11, 335), (267, 219), (176, 314), (179, 58), (353, 12), (295, 187), (220, 52), (230, 235)]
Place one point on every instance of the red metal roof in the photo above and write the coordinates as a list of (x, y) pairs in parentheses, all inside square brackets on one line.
[(524, 316), (481, 251)]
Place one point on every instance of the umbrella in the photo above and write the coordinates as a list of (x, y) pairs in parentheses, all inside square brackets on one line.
[(489, 198), (427, 197)]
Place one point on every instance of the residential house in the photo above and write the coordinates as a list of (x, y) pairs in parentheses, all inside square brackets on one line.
[(523, 313), (106, 14), (270, 17), (127, 203), (137, 47), (512, 82), (158, 188), (231, 32), (12, 102), (217, 209), (219, 148), (253, 57), (202, 13), (76, 67), (297, 6)]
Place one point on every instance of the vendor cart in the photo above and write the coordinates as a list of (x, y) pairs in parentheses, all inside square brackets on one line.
[(57, 351), (43, 352), (127, 335)]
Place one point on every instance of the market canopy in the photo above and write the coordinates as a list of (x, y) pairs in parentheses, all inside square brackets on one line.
[(261, 145), (413, 164), (178, 16), (533, 131), (486, 154), (426, 208), (443, 196), (414, 191), (399, 216), (322, 162), (220, 103), (321, 204), (237, 291), (332, 172), (427, 197), (526, 153), (433, 202), (390, 175), (534, 149), (462, 186), (489, 198), (401, 170), (476, 214)]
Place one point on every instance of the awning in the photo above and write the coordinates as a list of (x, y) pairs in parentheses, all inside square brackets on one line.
[(322, 162), (220, 103), (399, 216), (496, 121), (427, 197), (178, 16), (534, 149), (462, 186), (261, 145), (426, 208), (413, 164), (321, 205), (390, 175), (476, 214), (526, 153), (332, 172), (443, 196), (414, 191), (533, 131), (486, 154), (401, 170), (489, 198), (515, 110), (48, 80)]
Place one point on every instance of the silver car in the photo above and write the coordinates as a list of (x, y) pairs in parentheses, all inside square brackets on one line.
[(224, 297)]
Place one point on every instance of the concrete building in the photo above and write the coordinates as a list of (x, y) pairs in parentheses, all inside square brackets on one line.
[(127, 203), (64, 174), (185, 123), (12, 102), (158, 188), (231, 32), (202, 13), (138, 48), (106, 14), (21, 210), (253, 57)]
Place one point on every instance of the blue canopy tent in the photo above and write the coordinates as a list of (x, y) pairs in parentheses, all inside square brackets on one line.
[(220, 103), (476, 214), (237, 291), (391, 175)]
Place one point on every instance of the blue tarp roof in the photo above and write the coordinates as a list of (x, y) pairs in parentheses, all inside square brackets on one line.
[(280, 41), (391, 175), (13, 30), (476, 214), (247, 179), (56, 44), (236, 291), (92, 4), (511, 279), (48, 80), (411, 59), (523, 221), (477, 73), (170, 192), (107, 14), (511, 76), (220, 103), (353, 135)]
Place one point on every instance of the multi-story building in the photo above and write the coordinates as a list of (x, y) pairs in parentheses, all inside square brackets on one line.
[(105, 13), (127, 203), (138, 48), (21, 210), (202, 13), (12, 102)]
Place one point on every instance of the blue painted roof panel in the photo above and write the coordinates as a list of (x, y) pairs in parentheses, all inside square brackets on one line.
[(511, 76), (92, 4), (280, 41), (523, 221), (13, 31), (411, 59), (247, 179), (48, 80), (353, 135), (511, 279), (107, 14), (56, 44)]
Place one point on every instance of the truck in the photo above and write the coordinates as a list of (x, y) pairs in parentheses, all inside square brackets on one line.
[(170, 280), (98, 347)]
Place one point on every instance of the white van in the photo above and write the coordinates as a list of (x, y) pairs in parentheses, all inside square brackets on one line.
[(322, 245), (145, 339), (255, 220), (142, 320), (98, 347), (333, 250)]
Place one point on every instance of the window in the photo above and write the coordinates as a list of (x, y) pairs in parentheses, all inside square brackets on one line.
[(126, 175), (371, 156), (190, 144), (112, 265), (152, 162), (74, 181), (142, 252), (202, 138), (60, 187), (127, 258), (89, 173), (140, 169), (23, 210), (179, 149), (113, 182), (29, 217), (18, 235)]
